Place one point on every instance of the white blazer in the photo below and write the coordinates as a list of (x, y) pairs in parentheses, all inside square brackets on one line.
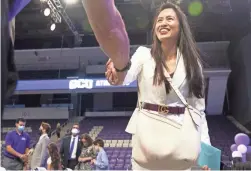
[(142, 69)]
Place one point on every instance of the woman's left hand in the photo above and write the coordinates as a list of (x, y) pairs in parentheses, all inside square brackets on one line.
[(93, 161), (111, 74), (205, 168)]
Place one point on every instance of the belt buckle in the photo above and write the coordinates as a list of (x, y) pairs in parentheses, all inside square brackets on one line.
[(163, 109)]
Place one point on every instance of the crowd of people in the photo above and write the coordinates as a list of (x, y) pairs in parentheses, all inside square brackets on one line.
[(76, 152)]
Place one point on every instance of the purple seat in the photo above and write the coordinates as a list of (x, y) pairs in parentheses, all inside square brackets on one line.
[(120, 161), (127, 167), (114, 156), (128, 161), (119, 167), (128, 156), (113, 161), (111, 166), (116, 152), (108, 149), (121, 156), (108, 152)]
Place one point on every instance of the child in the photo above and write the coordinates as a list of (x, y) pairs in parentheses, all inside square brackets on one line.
[(101, 162)]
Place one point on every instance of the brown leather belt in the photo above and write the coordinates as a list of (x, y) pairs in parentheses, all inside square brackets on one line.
[(162, 109)]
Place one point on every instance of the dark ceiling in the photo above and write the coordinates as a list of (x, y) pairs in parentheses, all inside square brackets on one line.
[(220, 20)]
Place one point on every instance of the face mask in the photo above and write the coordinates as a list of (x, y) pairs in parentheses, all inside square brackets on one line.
[(21, 128), (40, 131), (74, 131)]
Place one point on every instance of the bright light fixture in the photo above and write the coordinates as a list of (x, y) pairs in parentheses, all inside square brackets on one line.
[(53, 26), (47, 11), (71, 1)]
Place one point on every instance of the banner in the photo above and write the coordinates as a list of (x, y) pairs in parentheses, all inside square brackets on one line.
[(66, 84)]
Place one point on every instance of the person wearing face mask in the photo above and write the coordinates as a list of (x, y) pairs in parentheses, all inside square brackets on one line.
[(87, 153), (101, 162), (71, 148), (40, 154), (17, 147)]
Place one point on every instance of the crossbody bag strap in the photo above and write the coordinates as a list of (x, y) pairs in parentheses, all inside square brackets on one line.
[(175, 88)]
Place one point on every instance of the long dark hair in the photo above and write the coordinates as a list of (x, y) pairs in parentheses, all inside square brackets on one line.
[(187, 47), (54, 154), (89, 140)]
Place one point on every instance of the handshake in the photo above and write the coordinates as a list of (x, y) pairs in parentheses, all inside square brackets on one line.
[(24, 158)]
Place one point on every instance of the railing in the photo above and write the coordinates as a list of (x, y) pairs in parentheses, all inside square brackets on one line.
[(48, 74), (62, 126), (110, 110), (69, 105)]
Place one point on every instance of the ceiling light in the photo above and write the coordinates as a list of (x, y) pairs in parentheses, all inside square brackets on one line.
[(53, 26), (71, 1), (47, 11)]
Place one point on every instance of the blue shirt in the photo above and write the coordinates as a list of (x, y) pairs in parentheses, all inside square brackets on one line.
[(18, 142), (102, 162)]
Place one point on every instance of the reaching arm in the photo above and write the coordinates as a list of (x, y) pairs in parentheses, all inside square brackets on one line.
[(9, 149), (109, 29), (84, 159), (13, 152), (199, 104), (141, 55)]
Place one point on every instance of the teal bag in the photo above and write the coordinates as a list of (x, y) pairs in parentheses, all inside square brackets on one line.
[(209, 156)]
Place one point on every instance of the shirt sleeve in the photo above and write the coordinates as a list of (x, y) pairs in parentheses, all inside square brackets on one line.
[(8, 139), (139, 57), (199, 104)]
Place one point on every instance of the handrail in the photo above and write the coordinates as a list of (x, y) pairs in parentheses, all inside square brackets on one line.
[(113, 109), (63, 125), (54, 74)]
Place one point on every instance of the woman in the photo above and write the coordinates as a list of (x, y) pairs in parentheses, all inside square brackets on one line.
[(173, 55), (87, 153), (53, 162)]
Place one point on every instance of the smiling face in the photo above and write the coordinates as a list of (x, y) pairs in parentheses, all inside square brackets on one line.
[(167, 25)]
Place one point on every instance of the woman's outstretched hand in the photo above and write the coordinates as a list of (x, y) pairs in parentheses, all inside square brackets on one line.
[(205, 168), (111, 74)]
